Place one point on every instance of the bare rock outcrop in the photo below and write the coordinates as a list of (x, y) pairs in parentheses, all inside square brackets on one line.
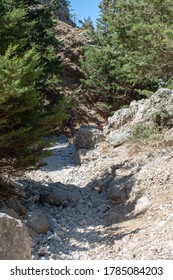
[(70, 52), (156, 109)]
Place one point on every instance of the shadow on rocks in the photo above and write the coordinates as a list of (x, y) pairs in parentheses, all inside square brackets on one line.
[(92, 215)]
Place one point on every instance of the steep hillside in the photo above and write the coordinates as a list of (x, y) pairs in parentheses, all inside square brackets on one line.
[(61, 11), (70, 53)]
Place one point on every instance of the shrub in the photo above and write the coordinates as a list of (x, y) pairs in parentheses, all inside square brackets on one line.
[(145, 133)]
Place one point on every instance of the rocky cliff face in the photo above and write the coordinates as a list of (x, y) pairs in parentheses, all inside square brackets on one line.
[(155, 112), (70, 52), (63, 10), (72, 39)]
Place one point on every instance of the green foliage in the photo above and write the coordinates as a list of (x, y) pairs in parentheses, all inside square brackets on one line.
[(144, 133), (27, 23), (13, 25), (42, 35), (20, 107), (30, 102), (145, 92), (161, 119), (104, 108), (87, 24), (133, 50)]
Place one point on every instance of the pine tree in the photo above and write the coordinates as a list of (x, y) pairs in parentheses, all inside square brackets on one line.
[(133, 48), (27, 110), (87, 24)]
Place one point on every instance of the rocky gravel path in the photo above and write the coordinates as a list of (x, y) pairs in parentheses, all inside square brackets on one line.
[(102, 197), (76, 230), (94, 225)]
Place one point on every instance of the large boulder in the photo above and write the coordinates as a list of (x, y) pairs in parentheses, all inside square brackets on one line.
[(15, 241), (87, 137)]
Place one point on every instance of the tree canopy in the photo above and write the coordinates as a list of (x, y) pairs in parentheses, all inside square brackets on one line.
[(132, 50)]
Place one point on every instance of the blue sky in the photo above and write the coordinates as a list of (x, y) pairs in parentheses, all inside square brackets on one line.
[(84, 8)]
